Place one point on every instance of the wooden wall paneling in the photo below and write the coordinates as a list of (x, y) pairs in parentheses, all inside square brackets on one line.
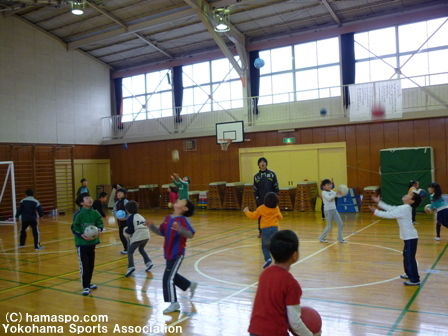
[(117, 165), (406, 133), (376, 144), (306, 136), (224, 165), (162, 168), (147, 171), (215, 172), (352, 163), (203, 155), (271, 138), (421, 132), (260, 139), (391, 135), (234, 162), (363, 155), (319, 135), (437, 139), (137, 158), (192, 168), (331, 134), (341, 133)]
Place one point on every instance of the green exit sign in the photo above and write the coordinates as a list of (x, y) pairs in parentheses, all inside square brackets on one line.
[(289, 140)]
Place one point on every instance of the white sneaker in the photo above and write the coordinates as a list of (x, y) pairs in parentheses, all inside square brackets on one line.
[(172, 308), (404, 276), (40, 248), (415, 223), (323, 241), (192, 288), (149, 265), (437, 238), (343, 241)]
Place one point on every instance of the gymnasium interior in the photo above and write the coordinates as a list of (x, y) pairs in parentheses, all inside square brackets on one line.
[(130, 92)]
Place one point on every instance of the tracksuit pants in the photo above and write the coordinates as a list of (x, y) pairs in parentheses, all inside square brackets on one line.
[(409, 261), (36, 235), (140, 245), (86, 255), (330, 216), (171, 279), (123, 239)]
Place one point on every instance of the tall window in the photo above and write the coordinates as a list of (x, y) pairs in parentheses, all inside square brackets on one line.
[(379, 52), (147, 96), (211, 86), (304, 71)]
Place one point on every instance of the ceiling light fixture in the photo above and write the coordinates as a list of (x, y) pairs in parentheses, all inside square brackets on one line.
[(78, 7), (221, 18)]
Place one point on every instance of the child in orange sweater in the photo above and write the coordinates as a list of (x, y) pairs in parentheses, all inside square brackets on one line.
[(270, 216)]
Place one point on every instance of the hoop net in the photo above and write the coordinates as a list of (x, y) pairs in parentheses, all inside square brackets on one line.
[(225, 143)]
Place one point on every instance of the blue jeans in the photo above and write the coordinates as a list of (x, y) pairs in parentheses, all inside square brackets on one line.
[(266, 235)]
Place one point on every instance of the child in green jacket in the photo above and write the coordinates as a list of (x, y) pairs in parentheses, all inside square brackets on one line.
[(85, 217)]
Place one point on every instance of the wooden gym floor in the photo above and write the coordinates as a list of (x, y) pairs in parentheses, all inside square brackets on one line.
[(354, 286)]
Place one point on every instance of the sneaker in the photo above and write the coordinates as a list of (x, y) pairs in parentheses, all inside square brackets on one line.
[(323, 241), (415, 223), (436, 238), (172, 308), (86, 291), (40, 248), (104, 229), (130, 271), (323, 218), (124, 252), (93, 286), (20, 246), (404, 276), (343, 241), (149, 265), (267, 263), (408, 283), (192, 288)]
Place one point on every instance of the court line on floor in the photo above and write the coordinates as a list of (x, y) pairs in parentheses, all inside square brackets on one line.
[(412, 299)]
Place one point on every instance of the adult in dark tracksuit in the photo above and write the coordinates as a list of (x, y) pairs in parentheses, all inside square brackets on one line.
[(264, 181), (28, 209)]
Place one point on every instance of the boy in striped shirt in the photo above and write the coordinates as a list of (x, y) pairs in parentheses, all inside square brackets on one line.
[(176, 229)]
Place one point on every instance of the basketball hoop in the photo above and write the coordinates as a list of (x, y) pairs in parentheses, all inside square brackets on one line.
[(225, 143)]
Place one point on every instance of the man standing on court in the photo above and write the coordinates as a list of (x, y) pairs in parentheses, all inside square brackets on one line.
[(264, 181)]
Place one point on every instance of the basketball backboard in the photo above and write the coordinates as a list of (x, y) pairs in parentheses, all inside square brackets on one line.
[(230, 130)]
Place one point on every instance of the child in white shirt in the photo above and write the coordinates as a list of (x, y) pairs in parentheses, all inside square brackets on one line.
[(408, 233)]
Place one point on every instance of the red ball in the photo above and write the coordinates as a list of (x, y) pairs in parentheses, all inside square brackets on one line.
[(312, 319), (378, 112)]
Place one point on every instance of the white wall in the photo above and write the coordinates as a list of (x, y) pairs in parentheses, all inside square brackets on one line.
[(48, 94)]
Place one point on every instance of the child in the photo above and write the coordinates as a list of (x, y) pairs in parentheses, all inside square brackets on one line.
[(413, 188), (138, 234), (173, 196), (27, 209), (98, 204), (121, 205), (83, 188), (322, 206), (182, 185), (328, 199), (438, 204), (176, 229), (270, 216), (115, 189), (408, 233), (277, 302), (86, 246)]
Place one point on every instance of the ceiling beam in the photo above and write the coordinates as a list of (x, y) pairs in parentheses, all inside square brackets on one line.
[(153, 44), (105, 13), (43, 31), (132, 28), (333, 14), (205, 13), (122, 24)]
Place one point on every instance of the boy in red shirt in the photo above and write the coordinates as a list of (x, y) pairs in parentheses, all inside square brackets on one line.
[(277, 303)]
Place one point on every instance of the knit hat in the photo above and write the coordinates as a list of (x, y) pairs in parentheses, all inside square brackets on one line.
[(123, 190), (262, 159)]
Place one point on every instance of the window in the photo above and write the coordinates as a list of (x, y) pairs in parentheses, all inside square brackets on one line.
[(301, 72), (211, 86), (147, 96), (422, 53)]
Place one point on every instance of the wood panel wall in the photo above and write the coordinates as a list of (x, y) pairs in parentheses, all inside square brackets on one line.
[(150, 162)]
